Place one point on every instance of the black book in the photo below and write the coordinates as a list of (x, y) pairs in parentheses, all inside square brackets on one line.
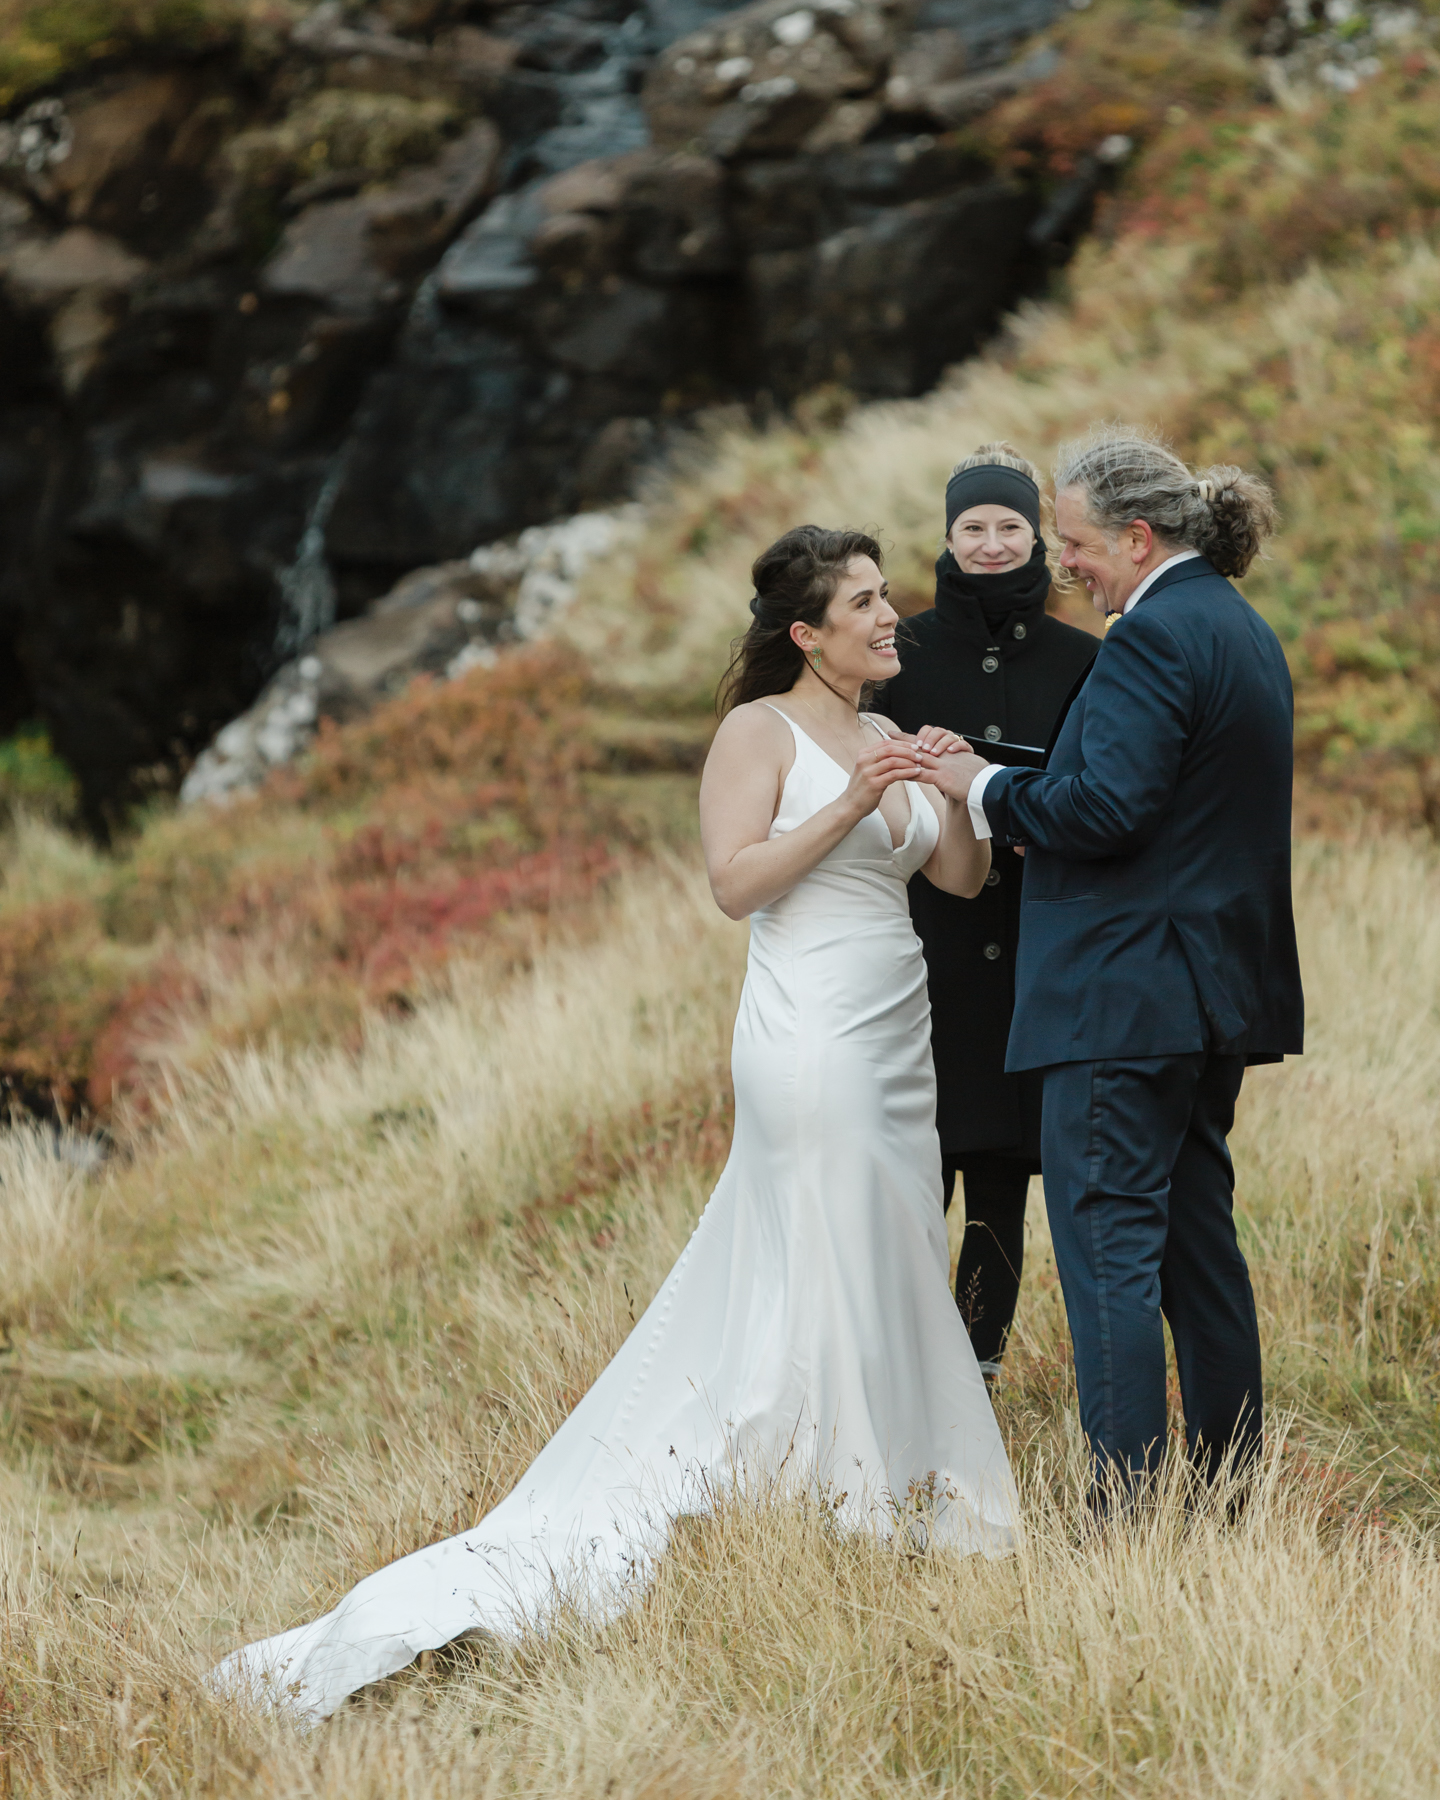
[(1010, 756)]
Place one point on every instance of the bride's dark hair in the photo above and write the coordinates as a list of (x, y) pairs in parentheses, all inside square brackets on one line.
[(795, 581)]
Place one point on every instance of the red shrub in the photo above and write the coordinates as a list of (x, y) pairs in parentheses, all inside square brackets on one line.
[(443, 809), (54, 996)]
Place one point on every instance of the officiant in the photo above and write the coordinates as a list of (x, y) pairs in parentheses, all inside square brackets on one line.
[(991, 663)]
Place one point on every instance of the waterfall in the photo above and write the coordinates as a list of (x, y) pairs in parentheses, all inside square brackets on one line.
[(307, 591)]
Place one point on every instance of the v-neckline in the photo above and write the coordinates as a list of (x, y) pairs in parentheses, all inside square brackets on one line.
[(895, 848)]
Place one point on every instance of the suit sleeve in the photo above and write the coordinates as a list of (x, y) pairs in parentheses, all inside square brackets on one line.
[(1139, 708)]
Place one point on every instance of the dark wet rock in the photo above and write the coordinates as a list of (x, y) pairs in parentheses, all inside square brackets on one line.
[(560, 42), (457, 67), (763, 77), (798, 201), (948, 104), (42, 271), (929, 58), (474, 49), (767, 118), (352, 254), (453, 442), (153, 589), (78, 280), (326, 255), (412, 220), (988, 32), (496, 408), (663, 216), (490, 270), (884, 306), (135, 164)]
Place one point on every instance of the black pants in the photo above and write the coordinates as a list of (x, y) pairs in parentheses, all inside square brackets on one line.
[(987, 1283), (1140, 1192)]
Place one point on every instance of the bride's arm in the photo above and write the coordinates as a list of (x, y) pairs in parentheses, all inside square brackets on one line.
[(740, 795)]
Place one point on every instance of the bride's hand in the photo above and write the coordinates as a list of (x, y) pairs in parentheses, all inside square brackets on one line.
[(938, 741), (878, 767)]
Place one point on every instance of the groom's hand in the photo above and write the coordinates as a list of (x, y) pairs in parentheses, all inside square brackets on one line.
[(948, 762)]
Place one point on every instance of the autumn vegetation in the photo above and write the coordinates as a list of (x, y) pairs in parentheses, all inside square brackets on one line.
[(361, 1116)]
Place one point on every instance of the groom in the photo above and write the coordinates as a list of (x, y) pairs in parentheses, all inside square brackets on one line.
[(1157, 944)]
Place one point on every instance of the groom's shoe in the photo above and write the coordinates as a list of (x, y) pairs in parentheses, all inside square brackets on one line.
[(991, 1372)]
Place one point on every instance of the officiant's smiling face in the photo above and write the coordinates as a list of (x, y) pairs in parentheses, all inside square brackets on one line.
[(988, 540), (857, 637)]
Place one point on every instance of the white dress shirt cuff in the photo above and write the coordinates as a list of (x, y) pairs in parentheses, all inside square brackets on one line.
[(977, 790)]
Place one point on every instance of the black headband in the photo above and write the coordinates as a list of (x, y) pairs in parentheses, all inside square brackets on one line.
[(992, 484)]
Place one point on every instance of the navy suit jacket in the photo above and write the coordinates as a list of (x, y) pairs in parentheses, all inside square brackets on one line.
[(1155, 916)]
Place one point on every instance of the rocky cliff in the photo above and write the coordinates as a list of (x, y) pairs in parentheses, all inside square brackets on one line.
[(288, 313)]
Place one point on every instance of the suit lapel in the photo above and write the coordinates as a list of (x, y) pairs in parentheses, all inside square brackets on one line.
[(1064, 712), (1185, 571)]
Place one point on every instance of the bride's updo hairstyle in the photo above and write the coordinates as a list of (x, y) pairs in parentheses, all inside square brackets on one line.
[(795, 581), (1127, 474)]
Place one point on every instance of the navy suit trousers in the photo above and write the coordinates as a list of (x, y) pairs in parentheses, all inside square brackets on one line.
[(1140, 1190)]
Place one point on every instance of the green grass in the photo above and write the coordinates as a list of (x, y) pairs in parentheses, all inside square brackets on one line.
[(34, 778)]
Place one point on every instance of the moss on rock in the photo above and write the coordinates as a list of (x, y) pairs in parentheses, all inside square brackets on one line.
[(336, 130), (42, 42)]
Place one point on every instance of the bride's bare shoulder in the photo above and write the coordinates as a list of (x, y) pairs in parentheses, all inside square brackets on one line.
[(754, 726), (753, 741)]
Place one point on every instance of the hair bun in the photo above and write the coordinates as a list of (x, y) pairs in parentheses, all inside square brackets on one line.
[(1124, 473)]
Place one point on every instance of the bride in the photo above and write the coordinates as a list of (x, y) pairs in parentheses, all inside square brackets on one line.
[(808, 1325)]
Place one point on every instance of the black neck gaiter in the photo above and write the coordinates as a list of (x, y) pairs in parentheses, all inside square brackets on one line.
[(996, 598)]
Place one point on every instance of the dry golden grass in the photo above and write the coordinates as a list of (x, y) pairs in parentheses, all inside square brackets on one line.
[(327, 1308)]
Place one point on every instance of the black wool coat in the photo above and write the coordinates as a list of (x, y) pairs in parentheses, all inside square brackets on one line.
[(1009, 681)]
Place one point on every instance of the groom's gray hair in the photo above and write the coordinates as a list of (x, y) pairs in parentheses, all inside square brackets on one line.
[(1127, 473)]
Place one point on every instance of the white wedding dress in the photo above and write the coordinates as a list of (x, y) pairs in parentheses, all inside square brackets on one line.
[(808, 1327)]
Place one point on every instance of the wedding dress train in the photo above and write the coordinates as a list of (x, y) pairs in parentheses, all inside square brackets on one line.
[(808, 1322)]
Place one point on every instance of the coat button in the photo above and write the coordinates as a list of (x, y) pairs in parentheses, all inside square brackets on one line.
[(992, 734), (992, 878), (1019, 631), (990, 664), (992, 951)]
